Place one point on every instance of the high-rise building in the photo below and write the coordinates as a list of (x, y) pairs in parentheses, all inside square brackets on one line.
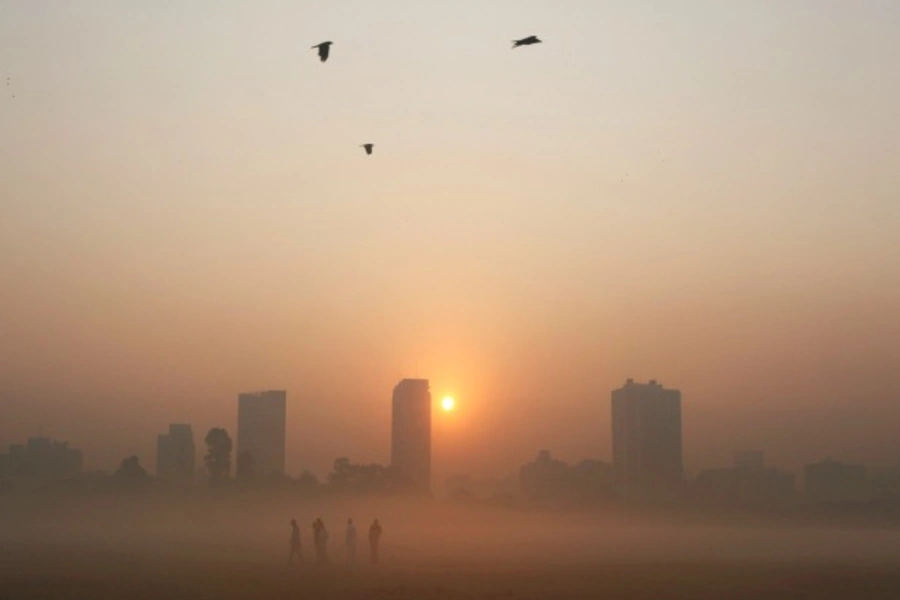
[(261, 429), (646, 436), (411, 431), (176, 454)]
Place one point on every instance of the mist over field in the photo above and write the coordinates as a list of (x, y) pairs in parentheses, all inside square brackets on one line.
[(255, 529), (205, 546)]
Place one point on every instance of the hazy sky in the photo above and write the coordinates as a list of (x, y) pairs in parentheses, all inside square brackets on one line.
[(705, 192)]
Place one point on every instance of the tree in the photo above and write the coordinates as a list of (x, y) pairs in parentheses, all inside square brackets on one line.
[(544, 479), (218, 455), (131, 472)]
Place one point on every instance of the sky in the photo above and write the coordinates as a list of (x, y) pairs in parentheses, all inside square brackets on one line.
[(700, 192)]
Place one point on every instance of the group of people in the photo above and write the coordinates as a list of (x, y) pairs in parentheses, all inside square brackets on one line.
[(320, 542)]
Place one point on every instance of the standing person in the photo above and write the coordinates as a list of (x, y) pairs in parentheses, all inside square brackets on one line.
[(374, 539), (350, 542), (295, 543), (323, 542), (317, 541)]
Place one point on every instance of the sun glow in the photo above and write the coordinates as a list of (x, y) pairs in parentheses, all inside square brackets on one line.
[(448, 403)]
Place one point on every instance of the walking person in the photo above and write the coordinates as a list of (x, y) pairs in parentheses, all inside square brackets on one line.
[(350, 542), (295, 543), (374, 540)]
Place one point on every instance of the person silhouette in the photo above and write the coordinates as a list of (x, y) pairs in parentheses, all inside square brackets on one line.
[(374, 540), (350, 542), (317, 541), (321, 541), (295, 543)]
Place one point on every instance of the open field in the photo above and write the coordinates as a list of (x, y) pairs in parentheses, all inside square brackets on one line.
[(96, 573), (130, 549)]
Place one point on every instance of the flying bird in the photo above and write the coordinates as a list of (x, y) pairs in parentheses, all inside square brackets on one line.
[(368, 147), (324, 47), (531, 39)]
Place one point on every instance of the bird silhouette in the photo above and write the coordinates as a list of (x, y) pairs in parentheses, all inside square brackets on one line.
[(527, 41), (324, 48), (368, 147)]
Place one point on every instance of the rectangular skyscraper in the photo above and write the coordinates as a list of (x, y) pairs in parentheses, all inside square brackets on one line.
[(261, 429), (411, 431), (646, 432), (175, 454)]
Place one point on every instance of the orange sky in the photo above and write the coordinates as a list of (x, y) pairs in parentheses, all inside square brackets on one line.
[(706, 196)]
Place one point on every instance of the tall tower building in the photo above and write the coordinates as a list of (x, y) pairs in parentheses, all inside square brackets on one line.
[(411, 431), (261, 429), (175, 454), (646, 434)]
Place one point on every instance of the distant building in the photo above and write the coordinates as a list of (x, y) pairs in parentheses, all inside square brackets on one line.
[(411, 431), (176, 454), (261, 429), (646, 436), (465, 487), (41, 459), (886, 481), (459, 486), (832, 481), (749, 459), (745, 487)]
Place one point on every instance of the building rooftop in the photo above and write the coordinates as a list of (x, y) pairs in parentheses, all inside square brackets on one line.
[(630, 382), (413, 383)]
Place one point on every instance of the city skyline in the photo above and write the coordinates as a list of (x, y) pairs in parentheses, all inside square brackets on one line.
[(706, 196), (645, 469), (646, 435)]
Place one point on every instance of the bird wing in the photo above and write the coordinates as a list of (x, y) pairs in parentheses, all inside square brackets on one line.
[(531, 39)]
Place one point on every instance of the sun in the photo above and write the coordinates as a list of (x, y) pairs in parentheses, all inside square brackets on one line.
[(448, 403)]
